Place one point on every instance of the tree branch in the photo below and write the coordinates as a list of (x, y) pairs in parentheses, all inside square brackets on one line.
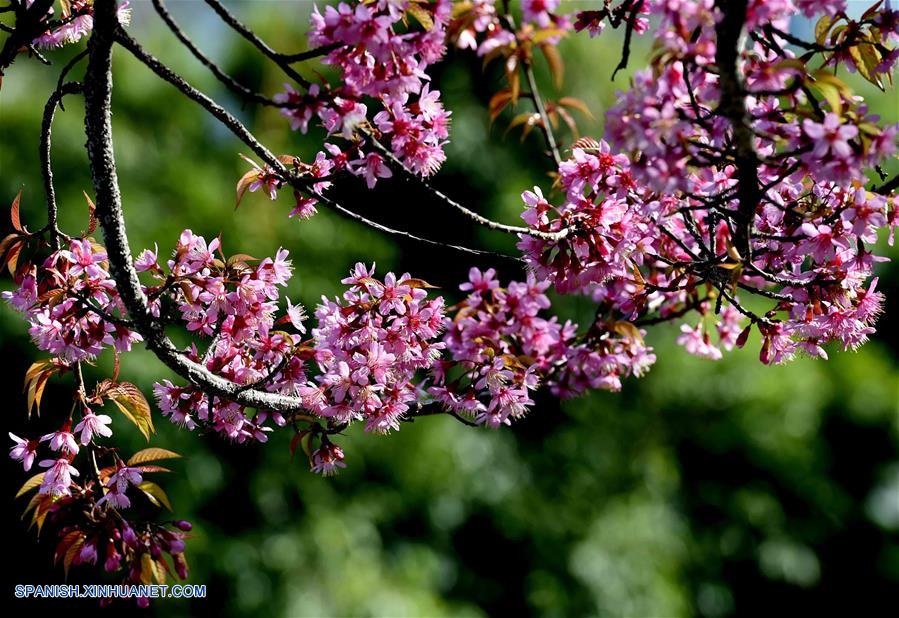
[(729, 32), (46, 166), (231, 83), (98, 98), (98, 127), (309, 54), (282, 60), (406, 173), (242, 133), (541, 110), (889, 186), (628, 35), (490, 224)]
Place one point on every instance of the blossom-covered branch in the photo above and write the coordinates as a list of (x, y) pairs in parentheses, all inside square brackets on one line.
[(734, 191)]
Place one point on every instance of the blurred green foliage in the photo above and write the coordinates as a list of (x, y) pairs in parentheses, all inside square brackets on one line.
[(706, 488)]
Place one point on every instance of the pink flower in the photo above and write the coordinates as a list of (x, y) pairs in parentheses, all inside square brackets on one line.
[(62, 440), (93, 424), (88, 553), (83, 259), (118, 484), (480, 282), (696, 342), (327, 459), (591, 21), (823, 241), (58, 477), (23, 450), (296, 314), (372, 167), (830, 137), (304, 207), (538, 11), (124, 476), (147, 260)]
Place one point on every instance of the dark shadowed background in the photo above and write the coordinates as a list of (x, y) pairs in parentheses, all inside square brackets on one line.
[(711, 489)]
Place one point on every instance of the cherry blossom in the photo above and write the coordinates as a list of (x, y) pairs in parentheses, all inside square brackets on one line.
[(738, 188), (23, 450), (58, 477)]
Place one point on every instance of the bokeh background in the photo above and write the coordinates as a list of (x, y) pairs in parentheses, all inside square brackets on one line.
[(710, 489)]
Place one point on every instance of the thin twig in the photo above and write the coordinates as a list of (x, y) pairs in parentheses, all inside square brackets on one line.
[(315, 52), (46, 166), (242, 133), (283, 61), (411, 176), (231, 83), (408, 174), (628, 35), (544, 117), (28, 28), (889, 186)]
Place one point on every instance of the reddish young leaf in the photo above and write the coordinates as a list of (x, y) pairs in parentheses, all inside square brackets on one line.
[(91, 211), (556, 65), (14, 213)]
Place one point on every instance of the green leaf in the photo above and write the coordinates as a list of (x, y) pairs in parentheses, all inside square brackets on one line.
[(30, 484), (822, 28), (867, 59), (151, 454), (155, 494), (421, 15)]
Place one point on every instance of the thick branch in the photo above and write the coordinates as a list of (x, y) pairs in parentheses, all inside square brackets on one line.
[(98, 127), (98, 98), (732, 106), (889, 186)]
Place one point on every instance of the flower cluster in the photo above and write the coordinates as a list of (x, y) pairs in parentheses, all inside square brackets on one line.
[(667, 116), (604, 213), (76, 22), (380, 63), (732, 194), (369, 346), (479, 26), (71, 303), (316, 175), (366, 348), (665, 230), (500, 349), (136, 551), (234, 303), (86, 509)]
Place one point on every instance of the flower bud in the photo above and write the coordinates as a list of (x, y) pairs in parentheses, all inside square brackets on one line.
[(184, 525)]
